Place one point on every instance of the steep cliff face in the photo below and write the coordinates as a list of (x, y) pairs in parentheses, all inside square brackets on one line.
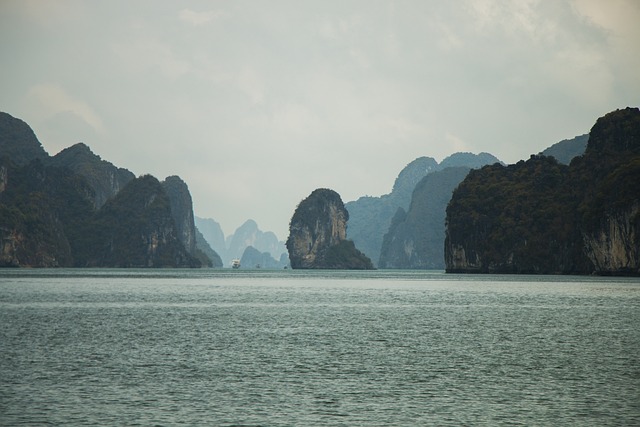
[(211, 257), (42, 211), (370, 217), (608, 175), (614, 248), (317, 234), (212, 233), (415, 239), (136, 229), (539, 216), (514, 219), (76, 210), (181, 211), (105, 179)]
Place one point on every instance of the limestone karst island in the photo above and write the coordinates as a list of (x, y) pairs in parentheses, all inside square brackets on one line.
[(317, 235), (574, 208)]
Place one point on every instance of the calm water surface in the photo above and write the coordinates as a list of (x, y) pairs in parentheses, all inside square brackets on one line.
[(290, 348)]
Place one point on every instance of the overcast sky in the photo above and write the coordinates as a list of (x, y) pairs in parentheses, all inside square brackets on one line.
[(257, 103)]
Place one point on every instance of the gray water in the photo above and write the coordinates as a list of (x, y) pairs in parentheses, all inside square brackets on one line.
[(377, 348)]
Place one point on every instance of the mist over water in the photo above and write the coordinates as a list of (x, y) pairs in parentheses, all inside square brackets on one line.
[(223, 347)]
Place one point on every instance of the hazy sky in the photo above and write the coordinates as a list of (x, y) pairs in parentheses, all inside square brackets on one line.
[(257, 103)]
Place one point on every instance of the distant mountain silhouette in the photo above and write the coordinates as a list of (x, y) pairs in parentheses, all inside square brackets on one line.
[(415, 239), (234, 246), (566, 150), (370, 217), (213, 234)]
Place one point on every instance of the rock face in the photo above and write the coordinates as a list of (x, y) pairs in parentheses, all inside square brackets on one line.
[(212, 233), (540, 216), (514, 219), (317, 235), (38, 205), (136, 229), (211, 257), (370, 217), (105, 179), (566, 150), (610, 226), (415, 239), (181, 211), (18, 142), (76, 210), (614, 246)]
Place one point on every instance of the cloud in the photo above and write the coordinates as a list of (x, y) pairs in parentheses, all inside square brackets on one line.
[(334, 94), (618, 17), (525, 18), (617, 21), (295, 119), (251, 83), (145, 55), (52, 99), (198, 18)]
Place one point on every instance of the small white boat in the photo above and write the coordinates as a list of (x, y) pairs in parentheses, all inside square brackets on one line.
[(235, 263)]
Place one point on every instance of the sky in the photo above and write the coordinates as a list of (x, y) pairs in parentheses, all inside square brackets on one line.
[(255, 104)]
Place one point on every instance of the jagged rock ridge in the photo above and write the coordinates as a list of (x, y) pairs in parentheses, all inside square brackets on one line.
[(181, 211), (105, 178), (76, 210)]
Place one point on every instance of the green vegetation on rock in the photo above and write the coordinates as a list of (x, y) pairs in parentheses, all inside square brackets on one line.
[(540, 216), (317, 235)]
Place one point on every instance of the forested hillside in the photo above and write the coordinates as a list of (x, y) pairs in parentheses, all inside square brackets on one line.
[(540, 216)]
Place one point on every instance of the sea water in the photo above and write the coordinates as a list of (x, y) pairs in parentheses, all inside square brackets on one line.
[(316, 348)]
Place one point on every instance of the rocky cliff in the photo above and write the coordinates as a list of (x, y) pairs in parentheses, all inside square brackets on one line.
[(317, 235), (213, 234), (415, 239), (136, 229), (76, 210), (608, 175), (370, 217), (540, 216), (18, 142), (181, 211), (614, 246), (211, 258), (43, 210), (105, 179)]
